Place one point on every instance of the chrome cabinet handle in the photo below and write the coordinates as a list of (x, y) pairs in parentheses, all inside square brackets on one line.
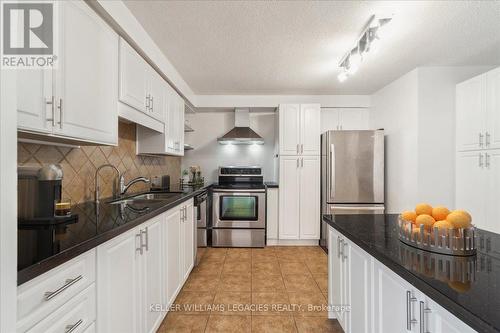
[(69, 282), (487, 160), (301, 162), (297, 148), (409, 300), (298, 162), (341, 251), (140, 242), (60, 107), (423, 311), (481, 136), (71, 328), (52, 104), (147, 102), (145, 233), (301, 148), (488, 136), (338, 246), (152, 103), (481, 164), (344, 256)]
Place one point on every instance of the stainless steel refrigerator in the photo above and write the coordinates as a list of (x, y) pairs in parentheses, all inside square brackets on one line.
[(352, 174)]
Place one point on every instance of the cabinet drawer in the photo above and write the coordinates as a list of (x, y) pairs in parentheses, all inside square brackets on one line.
[(74, 316), (38, 298)]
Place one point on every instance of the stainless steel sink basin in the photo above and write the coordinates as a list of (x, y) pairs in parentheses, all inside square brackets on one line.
[(146, 198)]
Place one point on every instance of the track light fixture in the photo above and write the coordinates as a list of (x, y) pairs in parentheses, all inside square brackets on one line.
[(367, 43)]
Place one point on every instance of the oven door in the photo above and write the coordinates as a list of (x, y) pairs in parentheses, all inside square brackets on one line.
[(239, 208)]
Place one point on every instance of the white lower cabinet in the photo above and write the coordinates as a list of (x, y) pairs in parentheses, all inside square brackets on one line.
[(377, 299), (187, 236), (272, 213), (172, 254)]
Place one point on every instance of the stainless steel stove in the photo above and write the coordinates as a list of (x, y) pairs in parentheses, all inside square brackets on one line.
[(239, 208)]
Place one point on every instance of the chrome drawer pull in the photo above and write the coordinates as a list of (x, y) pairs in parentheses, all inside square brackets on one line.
[(409, 320), (423, 311), (146, 244), (71, 328), (69, 282)]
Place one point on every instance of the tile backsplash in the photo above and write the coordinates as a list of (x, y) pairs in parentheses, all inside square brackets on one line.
[(79, 164)]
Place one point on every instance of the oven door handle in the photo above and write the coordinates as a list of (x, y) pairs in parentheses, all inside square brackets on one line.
[(240, 191)]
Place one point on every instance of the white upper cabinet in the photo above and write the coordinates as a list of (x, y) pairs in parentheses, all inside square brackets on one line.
[(310, 124), (492, 139), (133, 78), (299, 129), (344, 119), (470, 114), (83, 106), (157, 100), (88, 76)]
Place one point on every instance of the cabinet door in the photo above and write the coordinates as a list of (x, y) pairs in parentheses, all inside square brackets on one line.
[(289, 197), (173, 254), (354, 119), (87, 77), (439, 320), (179, 126), (170, 128), (309, 197), (334, 272), (492, 164), (310, 125), (133, 77), (34, 88), (289, 129), (330, 119), (493, 109), (358, 279), (470, 114), (119, 285), (157, 95), (470, 185), (153, 279), (272, 213), (390, 303), (187, 236)]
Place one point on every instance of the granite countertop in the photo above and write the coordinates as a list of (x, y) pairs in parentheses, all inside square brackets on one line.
[(271, 184), (477, 303), (41, 248)]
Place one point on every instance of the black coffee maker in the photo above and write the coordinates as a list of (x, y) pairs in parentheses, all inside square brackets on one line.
[(38, 192)]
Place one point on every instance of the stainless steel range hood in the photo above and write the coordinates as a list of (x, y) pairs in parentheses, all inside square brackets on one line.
[(241, 134)]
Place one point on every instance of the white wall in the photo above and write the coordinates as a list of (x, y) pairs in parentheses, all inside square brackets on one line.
[(210, 155), (417, 112)]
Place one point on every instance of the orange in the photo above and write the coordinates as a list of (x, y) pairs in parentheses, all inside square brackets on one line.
[(425, 219), (443, 225), (461, 287), (459, 220), (439, 213), (463, 212), (423, 208), (409, 216)]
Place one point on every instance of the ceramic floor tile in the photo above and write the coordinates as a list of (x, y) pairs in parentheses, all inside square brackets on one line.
[(273, 324), (265, 282), (317, 325), (289, 256), (229, 324), (239, 255), (321, 281), (236, 267), (293, 268), (194, 302), (182, 323), (271, 303), (208, 268), (201, 282), (295, 283), (232, 303), (317, 266), (308, 304), (266, 267), (235, 282)]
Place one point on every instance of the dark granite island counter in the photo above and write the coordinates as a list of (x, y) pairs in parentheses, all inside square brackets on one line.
[(476, 302)]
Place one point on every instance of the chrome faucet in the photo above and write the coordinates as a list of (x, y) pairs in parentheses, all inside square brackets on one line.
[(96, 180), (124, 188)]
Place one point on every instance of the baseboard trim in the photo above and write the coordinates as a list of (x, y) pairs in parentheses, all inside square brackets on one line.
[(293, 242)]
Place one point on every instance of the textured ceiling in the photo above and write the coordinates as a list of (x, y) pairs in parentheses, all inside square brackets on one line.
[(280, 47)]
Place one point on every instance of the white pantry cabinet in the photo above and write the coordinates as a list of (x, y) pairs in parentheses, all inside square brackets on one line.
[(299, 129), (78, 98), (344, 119), (299, 191), (171, 140), (380, 300), (477, 112)]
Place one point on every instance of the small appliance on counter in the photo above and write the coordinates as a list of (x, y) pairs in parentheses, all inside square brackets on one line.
[(160, 183), (239, 208), (39, 197)]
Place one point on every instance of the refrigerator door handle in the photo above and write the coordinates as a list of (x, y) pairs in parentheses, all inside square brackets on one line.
[(359, 207), (332, 171)]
